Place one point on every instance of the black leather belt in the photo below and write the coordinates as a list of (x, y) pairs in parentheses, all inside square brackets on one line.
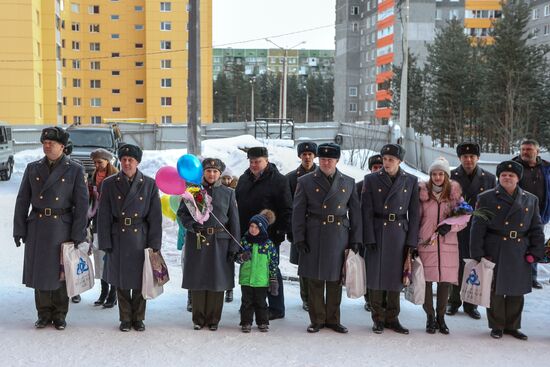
[(52, 211), (209, 231), (128, 221), (330, 218), (510, 234), (391, 217)]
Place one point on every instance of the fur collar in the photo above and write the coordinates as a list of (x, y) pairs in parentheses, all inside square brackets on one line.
[(456, 191)]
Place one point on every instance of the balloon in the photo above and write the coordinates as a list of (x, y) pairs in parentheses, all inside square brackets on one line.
[(190, 168), (175, 201), (169, 182), (166, 210)]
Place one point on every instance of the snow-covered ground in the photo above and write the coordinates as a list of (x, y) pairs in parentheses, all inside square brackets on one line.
[(92, 337)]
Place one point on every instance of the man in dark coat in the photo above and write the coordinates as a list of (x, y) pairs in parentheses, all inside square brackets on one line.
[(473, 180), (260, 187), (209, 268), (326, 221), (129, 221), (513, 239), (536, 180), (307, 151), (391, 218), (56, 188)]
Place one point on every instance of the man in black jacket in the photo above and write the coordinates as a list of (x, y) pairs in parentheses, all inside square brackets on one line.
[(260, 187)]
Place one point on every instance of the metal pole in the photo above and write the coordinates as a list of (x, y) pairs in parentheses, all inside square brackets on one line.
[(307, 105), (193, 81), (404, 72), (285, 76), (252, 81)]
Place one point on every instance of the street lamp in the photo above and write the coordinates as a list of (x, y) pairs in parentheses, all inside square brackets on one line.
[(282, 111), (307, 103), (252, 82)]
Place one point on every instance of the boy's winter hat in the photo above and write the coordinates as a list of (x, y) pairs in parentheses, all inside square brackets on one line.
[(263, 220), (307, 146), (395, 150), (467, 148), (441, 164), (510, 166)]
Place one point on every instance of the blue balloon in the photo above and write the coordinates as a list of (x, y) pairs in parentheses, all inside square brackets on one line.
[(190, 168)]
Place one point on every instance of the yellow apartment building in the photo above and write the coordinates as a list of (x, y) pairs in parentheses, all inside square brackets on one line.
[(479, 16), (94, 61)]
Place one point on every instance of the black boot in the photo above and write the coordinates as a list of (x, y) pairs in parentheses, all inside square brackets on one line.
[(431, 325), (103, 294), (189, 302), (443, 329), (111, 298)]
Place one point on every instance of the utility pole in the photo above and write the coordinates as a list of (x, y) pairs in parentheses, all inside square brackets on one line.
[(252, 82), (404, 69), (193, 81), (307, 104)]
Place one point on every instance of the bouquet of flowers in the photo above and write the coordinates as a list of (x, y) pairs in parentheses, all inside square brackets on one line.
[(199, 203), (460, 215)]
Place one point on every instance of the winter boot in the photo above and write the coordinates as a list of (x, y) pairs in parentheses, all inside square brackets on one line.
[(443, 329), (111, 298), (229, 296), (103, 294), (431, 325), (189, 302)]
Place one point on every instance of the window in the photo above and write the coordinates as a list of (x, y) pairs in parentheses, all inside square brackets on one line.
[(353, 107), (166, 119), (165, 6), (139, 100), (166, 83), (76, 101), (166, 64), (165, 101), (139, 82), (138, 8), (95, 119), (547, 10), (138, 45), (75, 8), (76, 64), (75, 27), (95, 102), (115, 36), (165, 26), (115, 72), (75, 45), (93, 9), (77, 120), (94, 46), (115, 54), (453, 14), (353, 91), (138, 64), (115, 17), (165, 45), (535, 14), (94, 28), (116, 109), (115, 91), (76, 83), (95, 65), (355, 27), (138, 27), (94, 83), (354, 10)]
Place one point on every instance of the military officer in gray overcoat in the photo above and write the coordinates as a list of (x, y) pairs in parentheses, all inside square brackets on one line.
[(210, 248), (55, 187), (326, 221), (307, 151), (129, 221), (473, 180), (513, 239), (391, 218)]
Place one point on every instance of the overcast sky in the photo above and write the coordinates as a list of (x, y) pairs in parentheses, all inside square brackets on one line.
[(242, 20)]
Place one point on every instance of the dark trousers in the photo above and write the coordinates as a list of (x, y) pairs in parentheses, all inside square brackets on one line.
[(442, 298), (277, 303), (304, 290), (52, 305), (534, 270), (207, 307), (454, 297), (505, 312), (253, 301), (324, 310), (385, 305), (131, 305)]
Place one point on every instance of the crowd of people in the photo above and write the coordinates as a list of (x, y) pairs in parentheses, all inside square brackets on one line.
[(388, 218)]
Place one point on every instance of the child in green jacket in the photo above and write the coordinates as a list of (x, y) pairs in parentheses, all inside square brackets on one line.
[(258, 272)]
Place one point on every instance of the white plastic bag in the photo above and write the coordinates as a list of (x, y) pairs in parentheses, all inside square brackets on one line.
[(78, 268), (476, 282), (416, 291), (149, 288), (355, 278)]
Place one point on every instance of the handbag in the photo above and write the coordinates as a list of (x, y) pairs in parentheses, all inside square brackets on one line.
[(78, 269), (416, 291), (476, 282), (149, 289)]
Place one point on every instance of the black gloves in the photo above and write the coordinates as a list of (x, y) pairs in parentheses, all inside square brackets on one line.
[(371, 246), (443, 229), (274, 286), (18, 240), (155, 250), (302, 247), (231, 256), (356, 247), (242, 257)]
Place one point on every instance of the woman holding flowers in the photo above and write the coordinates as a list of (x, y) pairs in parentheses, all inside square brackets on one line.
[(438, 243), (209, 214)]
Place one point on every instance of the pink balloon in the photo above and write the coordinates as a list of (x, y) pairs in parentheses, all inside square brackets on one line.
[(169, 181)]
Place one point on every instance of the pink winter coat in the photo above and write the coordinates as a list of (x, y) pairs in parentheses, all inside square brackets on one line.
[(441, 259)]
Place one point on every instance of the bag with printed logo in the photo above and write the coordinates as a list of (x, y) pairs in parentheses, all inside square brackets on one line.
[(78, 268)]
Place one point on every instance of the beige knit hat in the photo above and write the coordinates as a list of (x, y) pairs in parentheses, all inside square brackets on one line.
[(440, 164)]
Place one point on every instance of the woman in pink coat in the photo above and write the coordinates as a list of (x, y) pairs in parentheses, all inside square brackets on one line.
[(439, 253)]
